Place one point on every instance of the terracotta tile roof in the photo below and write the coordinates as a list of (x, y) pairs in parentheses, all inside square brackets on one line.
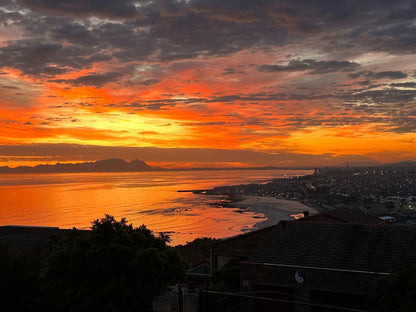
[(356, 247)]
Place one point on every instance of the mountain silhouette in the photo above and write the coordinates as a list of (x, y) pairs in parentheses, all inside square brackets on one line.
[(106, 165)]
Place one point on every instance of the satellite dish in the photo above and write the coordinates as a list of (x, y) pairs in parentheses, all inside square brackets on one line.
[(300, 277)]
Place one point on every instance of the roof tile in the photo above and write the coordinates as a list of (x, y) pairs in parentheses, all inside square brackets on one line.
[(357, 247)]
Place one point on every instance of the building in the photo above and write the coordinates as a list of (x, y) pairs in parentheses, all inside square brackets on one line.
[(26, 239), (308, 266), (242, 246), (343, 215)]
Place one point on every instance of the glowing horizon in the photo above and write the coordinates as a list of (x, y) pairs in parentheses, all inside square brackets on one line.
[(207, 83)]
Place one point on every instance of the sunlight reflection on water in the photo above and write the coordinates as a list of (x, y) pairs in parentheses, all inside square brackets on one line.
[(150, 198)]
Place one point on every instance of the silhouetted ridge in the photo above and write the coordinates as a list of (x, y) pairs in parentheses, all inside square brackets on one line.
[(106, 165), (403, 164)]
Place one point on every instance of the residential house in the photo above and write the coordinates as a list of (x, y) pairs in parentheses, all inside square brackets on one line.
[(308, 266)]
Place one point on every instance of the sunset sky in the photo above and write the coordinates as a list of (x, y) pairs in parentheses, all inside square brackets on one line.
[(208, 82)]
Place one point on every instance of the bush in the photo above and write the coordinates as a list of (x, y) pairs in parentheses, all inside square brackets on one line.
[(113, 267)]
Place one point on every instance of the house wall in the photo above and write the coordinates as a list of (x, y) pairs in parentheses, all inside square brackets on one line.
[(347, 289)]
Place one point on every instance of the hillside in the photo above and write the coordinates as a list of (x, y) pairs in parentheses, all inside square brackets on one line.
[(107, 165)]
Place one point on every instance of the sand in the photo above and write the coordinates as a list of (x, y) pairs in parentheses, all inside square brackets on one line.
[(271, 210)]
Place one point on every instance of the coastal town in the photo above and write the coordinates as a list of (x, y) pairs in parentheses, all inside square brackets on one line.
[(339, 258), (382, 191)]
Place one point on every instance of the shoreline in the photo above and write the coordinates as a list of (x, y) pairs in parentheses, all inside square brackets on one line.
[(272, 209)]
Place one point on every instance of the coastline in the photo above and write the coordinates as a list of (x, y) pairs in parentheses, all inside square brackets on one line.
[(273, 209)]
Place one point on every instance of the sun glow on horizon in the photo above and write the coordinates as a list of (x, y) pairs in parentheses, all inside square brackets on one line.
[(209, 77)]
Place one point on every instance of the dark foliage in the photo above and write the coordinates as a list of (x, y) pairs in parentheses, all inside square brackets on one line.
[(113, 267), (19, 285)]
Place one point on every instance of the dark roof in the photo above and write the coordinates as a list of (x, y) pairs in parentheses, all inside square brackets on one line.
[(246, 241), (355, 247), (343, 215), (27, 238)]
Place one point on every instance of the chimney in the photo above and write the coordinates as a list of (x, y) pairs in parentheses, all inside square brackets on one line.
[(306, 214)]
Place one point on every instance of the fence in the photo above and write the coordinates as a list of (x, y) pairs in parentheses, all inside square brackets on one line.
[(199, 300), (183, 299)]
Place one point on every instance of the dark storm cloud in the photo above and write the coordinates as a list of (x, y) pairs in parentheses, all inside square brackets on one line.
[(270, 96), (200, 34), (376, 24), (397, 36), (159, 104), (104, 8), (315, 67), (177, 30), (33, 56), (389, 75), (379, 75), (164, 30), (391, 107), (404, 85), (91, 80), (330, 121), (404, 121), (7, 16), (309, 10), (121, 36), (74, 33), (162, 105), (232, 71), (392, 96)]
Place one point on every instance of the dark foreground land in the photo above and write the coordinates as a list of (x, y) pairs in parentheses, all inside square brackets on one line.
[(112, 267)]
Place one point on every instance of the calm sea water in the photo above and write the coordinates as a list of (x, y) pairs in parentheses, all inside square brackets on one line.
[(150, 198)]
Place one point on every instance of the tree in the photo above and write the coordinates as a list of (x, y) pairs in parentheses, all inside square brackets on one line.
[(19, 286), (113, 267)]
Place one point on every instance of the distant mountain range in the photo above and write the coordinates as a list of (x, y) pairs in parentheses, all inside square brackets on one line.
[(107, 165), (401, 164), (120, 165)]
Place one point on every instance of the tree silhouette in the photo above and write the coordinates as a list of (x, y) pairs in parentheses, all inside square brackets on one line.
[(113, 267)]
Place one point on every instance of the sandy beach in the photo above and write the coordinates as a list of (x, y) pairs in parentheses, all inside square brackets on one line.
[(271, 210)]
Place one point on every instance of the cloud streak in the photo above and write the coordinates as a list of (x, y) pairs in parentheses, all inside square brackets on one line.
[(313, 78), (315, 67)]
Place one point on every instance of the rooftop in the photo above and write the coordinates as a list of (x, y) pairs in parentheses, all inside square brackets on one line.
[(353, 247), (27, 238), (343, 215)]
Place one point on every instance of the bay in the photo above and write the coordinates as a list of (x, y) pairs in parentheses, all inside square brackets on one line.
[(150, 198)]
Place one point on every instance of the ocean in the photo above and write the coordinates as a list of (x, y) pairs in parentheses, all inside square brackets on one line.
[(150, 198)]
